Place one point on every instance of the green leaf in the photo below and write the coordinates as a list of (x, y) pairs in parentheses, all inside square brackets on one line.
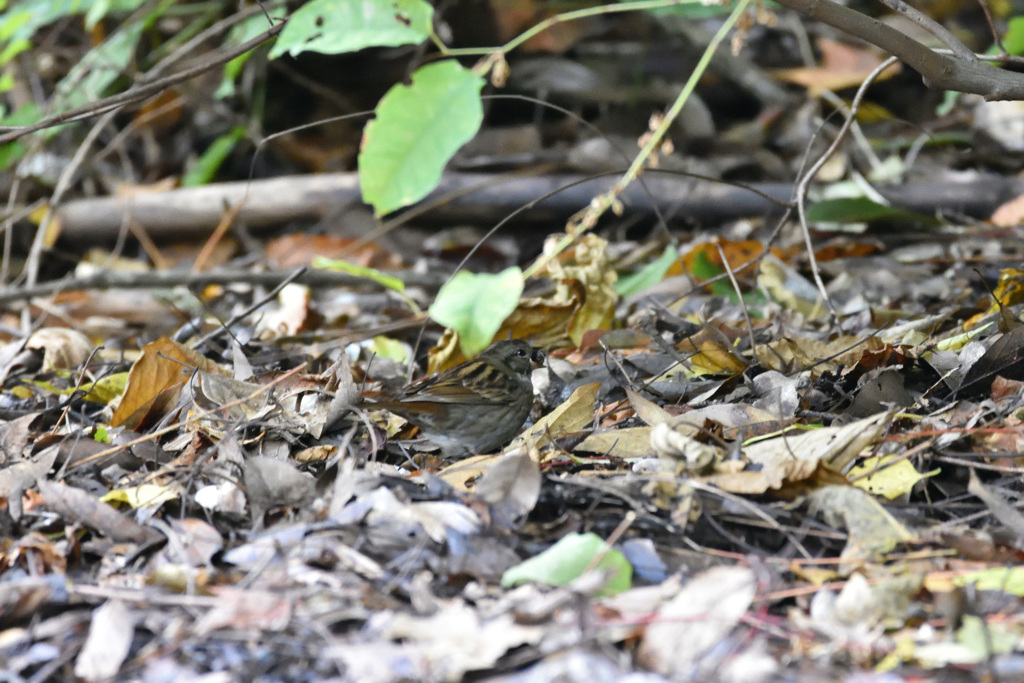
[(1013, 41), (475, 305), (1006, 579), (861, 210), (648, 276), (569, 559), (92, 76), (210, 161), (12, 152), (241, 32), (418, 128), (705, 269), (386, 347), (335, 26), (359, 271)]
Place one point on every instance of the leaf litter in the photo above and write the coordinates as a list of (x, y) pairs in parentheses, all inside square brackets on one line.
[(812, 479), (714, 484)]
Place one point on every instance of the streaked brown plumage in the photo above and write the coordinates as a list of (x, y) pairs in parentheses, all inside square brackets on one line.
[(475, 407)]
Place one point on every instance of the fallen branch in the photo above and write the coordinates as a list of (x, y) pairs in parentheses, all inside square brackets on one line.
[(112, 279), (480, 199)]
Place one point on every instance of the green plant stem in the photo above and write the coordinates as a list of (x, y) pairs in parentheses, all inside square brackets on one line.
[(588, 217)]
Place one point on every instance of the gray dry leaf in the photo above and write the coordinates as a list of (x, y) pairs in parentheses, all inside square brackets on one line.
[(693, 621), (831, 447), (273, 483), (14, 436), (777, 394), (511, 487), (16, 478), (108, 643), (997, 505), (457, 638)]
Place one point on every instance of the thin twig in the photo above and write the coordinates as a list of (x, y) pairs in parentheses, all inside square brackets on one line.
[(805, 182)]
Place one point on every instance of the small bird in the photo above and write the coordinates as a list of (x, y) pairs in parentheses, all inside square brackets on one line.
[(475, 407)]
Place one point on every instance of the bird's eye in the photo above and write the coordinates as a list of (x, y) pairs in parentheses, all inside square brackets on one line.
[(520, 353)]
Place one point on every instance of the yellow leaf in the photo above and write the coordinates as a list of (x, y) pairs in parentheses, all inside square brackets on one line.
[(884, 479), (144, 496)]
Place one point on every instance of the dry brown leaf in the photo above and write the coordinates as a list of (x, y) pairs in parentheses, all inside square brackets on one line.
[(629, 442), (796, 456), (583, 300), (1009, 214), (842, 66), (300, 249), (161, 371)]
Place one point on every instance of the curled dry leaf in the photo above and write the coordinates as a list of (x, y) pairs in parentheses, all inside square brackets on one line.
[(832, 447), (63, 349), (583, 299), (692, 455)]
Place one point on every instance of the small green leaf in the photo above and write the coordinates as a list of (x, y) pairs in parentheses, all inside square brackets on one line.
[(417, 130), (386, 347), (336, 26), (359, 271), (568, 559), (210, 161), (475, 305), (648, 276), (241, 32)]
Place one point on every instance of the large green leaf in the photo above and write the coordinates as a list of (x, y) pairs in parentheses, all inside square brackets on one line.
[(475, 305), (335, 26), (418, 129)]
